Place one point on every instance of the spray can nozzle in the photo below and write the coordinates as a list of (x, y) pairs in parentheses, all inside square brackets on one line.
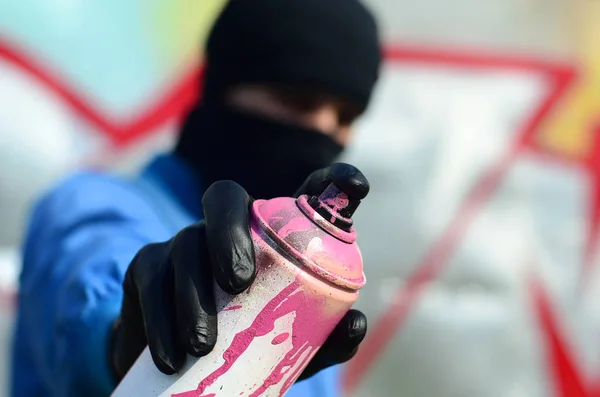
[(336, 206)]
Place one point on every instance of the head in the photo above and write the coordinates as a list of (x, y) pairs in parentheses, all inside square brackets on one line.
[(285, 80)]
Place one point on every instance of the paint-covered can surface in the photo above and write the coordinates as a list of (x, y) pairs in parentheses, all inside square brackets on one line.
[(309, 271)]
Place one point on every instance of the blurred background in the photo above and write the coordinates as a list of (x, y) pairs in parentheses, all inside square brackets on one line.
[(480, 236)]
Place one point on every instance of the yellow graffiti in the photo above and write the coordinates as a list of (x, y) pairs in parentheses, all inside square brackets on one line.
[(570, 130), (180, 28)]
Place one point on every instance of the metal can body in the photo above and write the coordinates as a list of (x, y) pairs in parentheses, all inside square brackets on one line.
[(268, 334)]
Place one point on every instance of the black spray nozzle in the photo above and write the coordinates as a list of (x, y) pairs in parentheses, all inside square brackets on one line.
[(336, 206), (339, 194)]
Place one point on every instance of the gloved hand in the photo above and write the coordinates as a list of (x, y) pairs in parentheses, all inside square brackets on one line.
[(169, 303)]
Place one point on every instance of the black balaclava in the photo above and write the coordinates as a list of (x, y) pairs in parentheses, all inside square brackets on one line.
[(330, 46)]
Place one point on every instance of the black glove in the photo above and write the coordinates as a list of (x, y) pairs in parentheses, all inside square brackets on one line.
[(169, 302)]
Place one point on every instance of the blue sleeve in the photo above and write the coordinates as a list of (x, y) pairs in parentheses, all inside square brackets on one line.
[(324, 384), (80, 241)]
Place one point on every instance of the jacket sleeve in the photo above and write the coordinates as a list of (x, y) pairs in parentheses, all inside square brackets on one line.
[(324, 384), (80, 241)]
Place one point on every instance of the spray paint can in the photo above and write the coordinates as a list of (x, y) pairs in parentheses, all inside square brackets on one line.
[(309, 271)]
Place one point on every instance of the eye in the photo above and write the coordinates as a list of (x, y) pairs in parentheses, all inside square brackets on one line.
[(299, 100), (307, 100)]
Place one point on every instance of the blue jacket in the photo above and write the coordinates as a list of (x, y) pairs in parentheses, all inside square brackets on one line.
[(80, 240)]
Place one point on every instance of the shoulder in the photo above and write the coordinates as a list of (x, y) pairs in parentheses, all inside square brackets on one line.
[(91, 195)]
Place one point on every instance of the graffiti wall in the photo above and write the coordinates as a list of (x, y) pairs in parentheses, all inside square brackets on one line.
[(480, 235)]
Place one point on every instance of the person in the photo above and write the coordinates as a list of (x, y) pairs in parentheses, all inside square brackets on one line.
[(113, 264)]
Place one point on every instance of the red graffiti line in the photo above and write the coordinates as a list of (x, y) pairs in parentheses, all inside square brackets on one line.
[(171, 103), (592, 166), (436, 258), (185, 88), (8, 299), (568, 378)]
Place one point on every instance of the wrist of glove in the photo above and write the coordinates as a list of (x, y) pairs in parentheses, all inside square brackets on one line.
[(169, 302)]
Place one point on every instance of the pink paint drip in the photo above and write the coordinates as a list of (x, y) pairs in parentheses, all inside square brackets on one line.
[(334, 199), (279, 339), (333, 207), (304, 339), (338, 202), (231, 308)]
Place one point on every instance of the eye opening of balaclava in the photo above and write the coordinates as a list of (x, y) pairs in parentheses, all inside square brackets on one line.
[(330, 46), (298, 100)]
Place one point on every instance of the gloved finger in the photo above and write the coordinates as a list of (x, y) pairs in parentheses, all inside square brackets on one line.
[(315, 183), (347, 177), (226, 214), (128, 338), (341, 345), (157, 302), (194, 291)]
